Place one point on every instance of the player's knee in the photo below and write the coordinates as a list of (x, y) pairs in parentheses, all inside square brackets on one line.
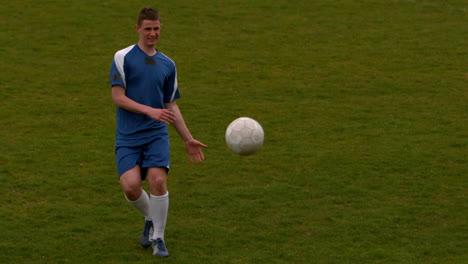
[(157, 177), (132, 191), (158, 184), (132, 194)]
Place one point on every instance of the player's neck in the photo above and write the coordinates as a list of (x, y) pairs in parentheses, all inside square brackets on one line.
[(149, 50)]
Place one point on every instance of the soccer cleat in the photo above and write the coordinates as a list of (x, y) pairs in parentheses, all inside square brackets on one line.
[(146, 234), (159, 248)]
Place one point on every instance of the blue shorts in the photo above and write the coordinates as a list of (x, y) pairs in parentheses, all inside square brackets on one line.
[(153, 154)]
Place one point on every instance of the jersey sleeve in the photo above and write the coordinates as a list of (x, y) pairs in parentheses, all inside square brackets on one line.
[(171, 87), (117, 73)]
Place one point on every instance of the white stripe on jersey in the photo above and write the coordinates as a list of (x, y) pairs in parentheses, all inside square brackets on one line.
[(119, 61), (176, 86)]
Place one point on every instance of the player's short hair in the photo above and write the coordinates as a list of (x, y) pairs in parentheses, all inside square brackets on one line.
[(147, 13)]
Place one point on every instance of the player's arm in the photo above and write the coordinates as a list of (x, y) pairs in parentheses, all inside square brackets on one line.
[(192, 145), (121, 100)]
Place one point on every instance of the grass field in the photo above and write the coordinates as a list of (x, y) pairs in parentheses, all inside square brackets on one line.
[(364, 106)]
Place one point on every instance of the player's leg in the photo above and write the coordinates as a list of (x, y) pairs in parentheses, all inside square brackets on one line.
[(156, 160), (159, 206), (131, 183)]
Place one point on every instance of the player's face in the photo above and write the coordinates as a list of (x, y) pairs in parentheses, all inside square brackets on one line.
[(148, 32)]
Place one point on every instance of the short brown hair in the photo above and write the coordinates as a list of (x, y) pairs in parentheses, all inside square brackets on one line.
[(147, 13)]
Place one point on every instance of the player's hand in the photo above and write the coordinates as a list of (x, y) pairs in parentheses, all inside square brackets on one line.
[(194, 150), (163, 115)]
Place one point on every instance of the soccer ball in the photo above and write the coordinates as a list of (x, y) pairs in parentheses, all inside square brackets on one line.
[(244, 136)]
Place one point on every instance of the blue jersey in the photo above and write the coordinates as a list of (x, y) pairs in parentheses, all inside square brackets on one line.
[(148, 80)]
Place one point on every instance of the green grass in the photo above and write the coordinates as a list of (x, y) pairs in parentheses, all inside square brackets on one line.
[(363, 103)]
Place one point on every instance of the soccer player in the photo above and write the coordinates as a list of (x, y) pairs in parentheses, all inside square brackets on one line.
[(144, 89)]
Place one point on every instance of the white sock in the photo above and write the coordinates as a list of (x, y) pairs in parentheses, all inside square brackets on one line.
[(159, 206), (142, 204)]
